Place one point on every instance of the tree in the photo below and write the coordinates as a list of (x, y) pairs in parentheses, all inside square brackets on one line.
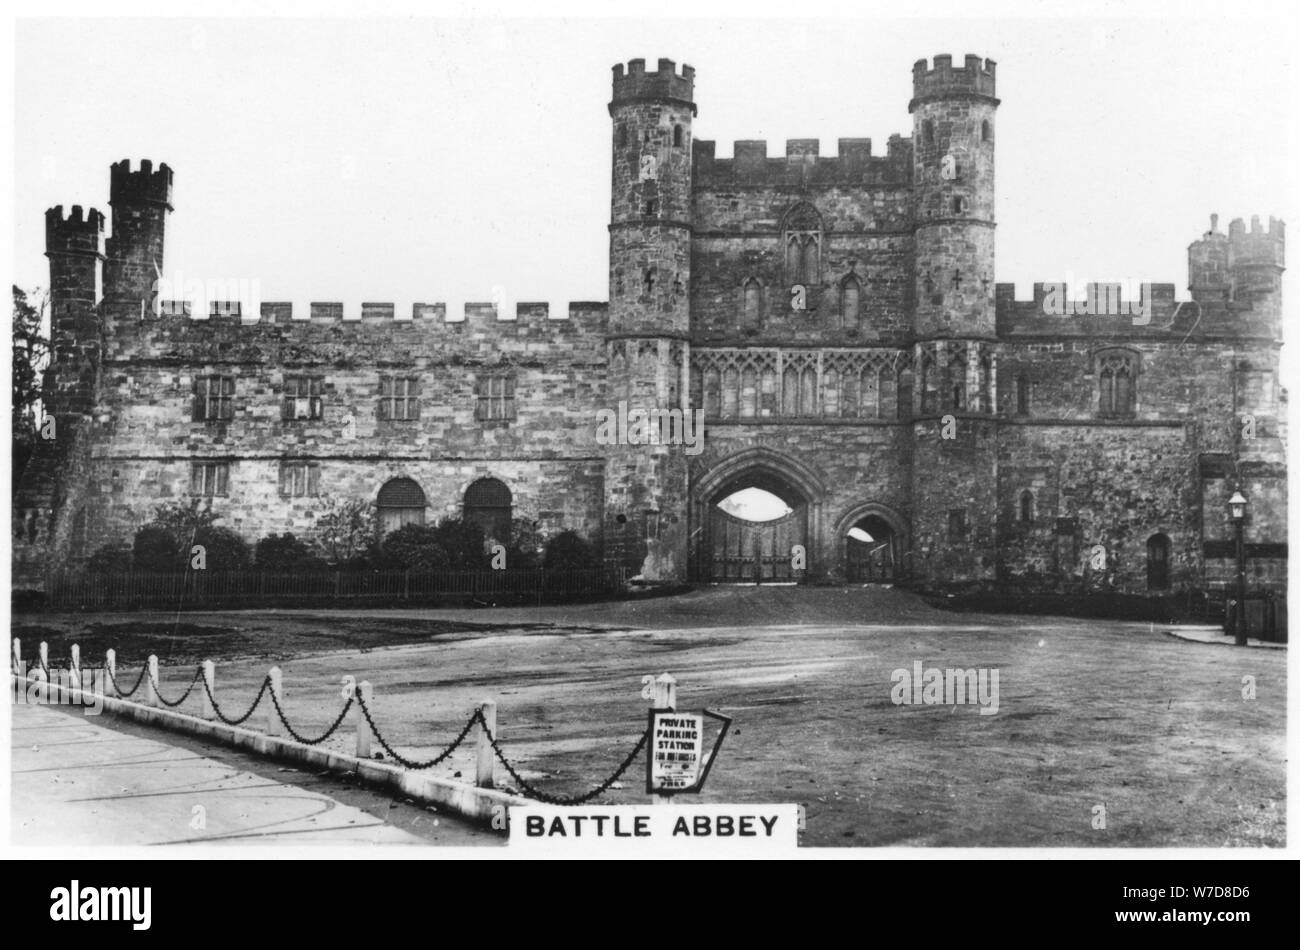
[(31, 352), (154, 550), (185, 521), (525, 547), (346, 529)]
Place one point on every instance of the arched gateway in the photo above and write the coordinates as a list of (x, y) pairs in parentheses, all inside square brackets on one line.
[(749, 513)]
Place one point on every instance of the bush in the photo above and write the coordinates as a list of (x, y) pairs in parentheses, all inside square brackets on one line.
[(567, 551), (286, 554), (154, 550), (525, 548), (224, 550), (110, 559), (412, 547), (464, 543)]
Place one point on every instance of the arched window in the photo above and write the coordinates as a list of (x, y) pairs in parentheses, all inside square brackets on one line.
[(487, 504), (1117, 372), (753, 295), (929, 388), (400, 502), (808, 392), (730, 392), (1027, 506), (830, 393), (902, 401), (749, 392), (803, 243), (986, 131), (790, 392), (1158, 562), (712, 392), (927, 131), (851, 302), (957, 383), (678, 137)]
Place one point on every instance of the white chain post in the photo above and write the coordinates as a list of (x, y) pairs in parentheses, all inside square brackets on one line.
[(208, 711), (484, 776), (110, 670), (75, 663), (45, 655), (150, 678), (273, 720), (17, 658), (364, 692)]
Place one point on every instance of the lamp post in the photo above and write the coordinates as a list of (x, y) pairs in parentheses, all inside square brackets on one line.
[(1237, 511)]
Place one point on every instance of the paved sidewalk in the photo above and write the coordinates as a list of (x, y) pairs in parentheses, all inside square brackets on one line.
[(83, 780), (1208, 634)]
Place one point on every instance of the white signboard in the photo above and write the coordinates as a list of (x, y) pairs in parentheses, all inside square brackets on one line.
[(676, 744)]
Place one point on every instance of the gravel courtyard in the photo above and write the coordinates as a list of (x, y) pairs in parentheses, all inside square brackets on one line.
[(1153, 729)]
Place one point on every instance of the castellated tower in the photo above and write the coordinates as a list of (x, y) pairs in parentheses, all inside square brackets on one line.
[(954, 489), (141, 201), (74, 246), (649, 283)]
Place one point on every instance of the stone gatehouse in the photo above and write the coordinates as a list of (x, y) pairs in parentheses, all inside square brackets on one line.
[(836, 320)]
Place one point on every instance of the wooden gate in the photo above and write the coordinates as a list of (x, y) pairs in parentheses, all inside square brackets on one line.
[(754, 552)]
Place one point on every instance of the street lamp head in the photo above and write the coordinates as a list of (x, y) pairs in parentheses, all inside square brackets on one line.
[(1237, 505)]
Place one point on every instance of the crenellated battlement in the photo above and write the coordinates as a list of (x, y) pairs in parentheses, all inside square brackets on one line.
[(802, 164), (634, 84), (145, 185), (1257, 247), (944, 81), (579, 316), (78, 233)]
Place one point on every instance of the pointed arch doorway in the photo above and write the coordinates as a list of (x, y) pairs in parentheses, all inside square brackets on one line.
[(754, 523)]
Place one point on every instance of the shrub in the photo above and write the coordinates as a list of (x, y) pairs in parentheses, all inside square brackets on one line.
[(413, 547), (464, 543), (224, 550), (154, 550), (525, 547), (568, 551), (110, 559), (285, 554)]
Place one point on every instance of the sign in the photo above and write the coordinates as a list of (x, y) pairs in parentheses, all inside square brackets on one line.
[(676, 750), (699, 830)]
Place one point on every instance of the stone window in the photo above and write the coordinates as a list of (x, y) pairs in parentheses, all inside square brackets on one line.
[(1117, 383), (299, 479), (209, 479), (679, 136), (401, 502), (927, 131), (1158, 562), (957, 383), (851, 301), (956, 524), (214, 398), (302, 399), (622, 136), (752, 303), (399, 398), (1022, 396), (495, 395), (1027, 507), (928, 384), (488, 504), (986, 131), (985, 382), (803, 245)]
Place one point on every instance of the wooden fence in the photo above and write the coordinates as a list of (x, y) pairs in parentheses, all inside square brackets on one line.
[(138, 591)]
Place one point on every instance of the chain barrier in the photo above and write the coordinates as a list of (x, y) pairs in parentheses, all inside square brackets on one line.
[(298, 737), (549, 799), (112, 677), (266, 684), (411, 763), (525, 787), (157, 690)]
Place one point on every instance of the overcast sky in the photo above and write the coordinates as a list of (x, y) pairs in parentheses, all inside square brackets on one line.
[(407, 158)]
